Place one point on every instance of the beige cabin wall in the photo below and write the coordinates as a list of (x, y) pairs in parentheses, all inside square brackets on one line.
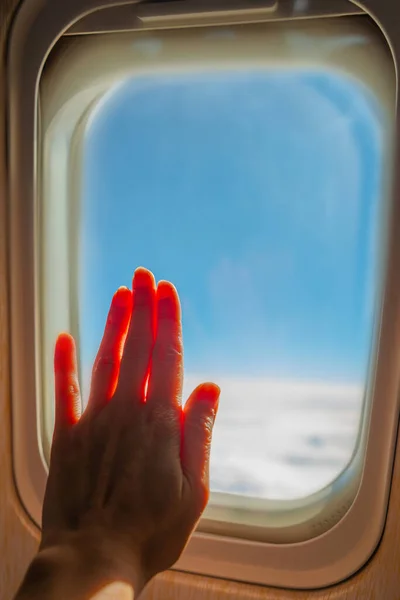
[(378, 580), (18, 538)]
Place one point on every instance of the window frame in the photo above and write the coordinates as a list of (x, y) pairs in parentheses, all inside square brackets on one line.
[(313, 563), (68, 101)]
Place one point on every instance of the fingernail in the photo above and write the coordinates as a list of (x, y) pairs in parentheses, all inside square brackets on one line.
[(143, 278), (122, 296), (167, 301), (211, 391), (63, 352), (165, 289)]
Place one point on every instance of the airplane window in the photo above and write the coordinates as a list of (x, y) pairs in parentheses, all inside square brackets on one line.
[(248, 158), (258, 193)]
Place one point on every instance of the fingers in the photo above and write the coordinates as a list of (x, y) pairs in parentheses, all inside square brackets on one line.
[(198, 421), (165, 381), (107, 362), (68, 399), (135, 363)]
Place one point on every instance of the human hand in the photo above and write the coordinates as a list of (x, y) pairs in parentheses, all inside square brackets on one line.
[(128, 479)]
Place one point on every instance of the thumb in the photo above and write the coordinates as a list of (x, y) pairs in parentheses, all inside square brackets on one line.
[(198, 421), (68, 399)]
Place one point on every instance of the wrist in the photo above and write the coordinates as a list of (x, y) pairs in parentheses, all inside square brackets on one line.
[(105, 559), (80, 566)]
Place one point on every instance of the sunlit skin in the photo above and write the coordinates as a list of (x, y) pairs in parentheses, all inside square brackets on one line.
[(128, 478)]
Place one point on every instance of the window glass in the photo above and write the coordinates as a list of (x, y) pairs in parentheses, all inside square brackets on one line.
[(257, 193)]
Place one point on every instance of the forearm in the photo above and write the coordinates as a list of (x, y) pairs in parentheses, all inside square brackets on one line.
[(70, 573)]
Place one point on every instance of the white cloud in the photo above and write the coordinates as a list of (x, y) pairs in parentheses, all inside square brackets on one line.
[(278, 439)]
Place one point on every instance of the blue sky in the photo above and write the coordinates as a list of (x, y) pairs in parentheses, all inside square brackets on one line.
[(257, 194)]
